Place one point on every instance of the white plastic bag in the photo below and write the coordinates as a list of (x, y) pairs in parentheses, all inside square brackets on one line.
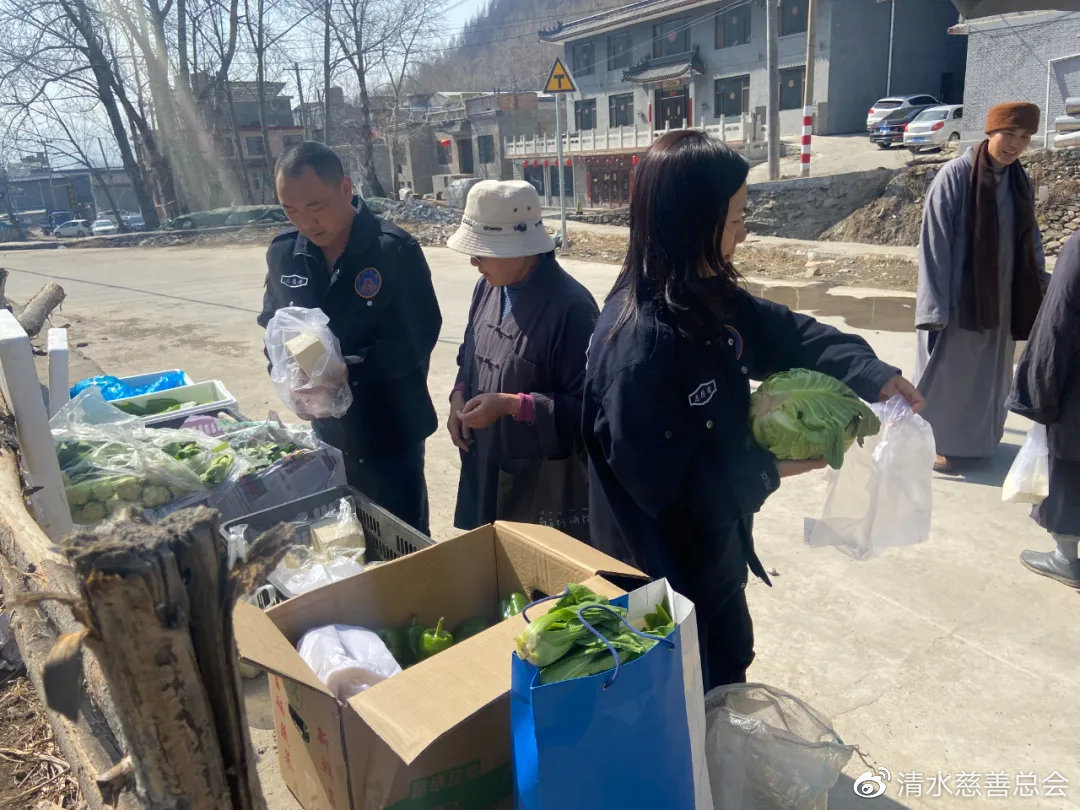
[(882, 495), (347, 659), (324, 392), (1028, 480), (767, 748), (304, 570)]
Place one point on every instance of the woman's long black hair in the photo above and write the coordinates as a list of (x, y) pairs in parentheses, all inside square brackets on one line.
[(677, 216)]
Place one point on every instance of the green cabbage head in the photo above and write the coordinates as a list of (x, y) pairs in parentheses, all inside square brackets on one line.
[(802, 414)]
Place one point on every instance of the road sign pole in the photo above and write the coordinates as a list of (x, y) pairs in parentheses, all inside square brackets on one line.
[(560, 173)]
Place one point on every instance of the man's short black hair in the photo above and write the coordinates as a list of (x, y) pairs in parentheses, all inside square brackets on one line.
[(320, 157)]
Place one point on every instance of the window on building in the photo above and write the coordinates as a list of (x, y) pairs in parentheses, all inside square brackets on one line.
[(292, 140), (485, 147), (621, 110), (791, 88), (732, 96), (733, 27), (584, 59), (568, 179), (443, 150), (618, 51), (585, 115), (792, 17), (254, 146), (671, 38)]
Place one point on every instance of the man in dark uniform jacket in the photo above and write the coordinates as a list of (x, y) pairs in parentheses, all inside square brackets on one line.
[(371, 280)]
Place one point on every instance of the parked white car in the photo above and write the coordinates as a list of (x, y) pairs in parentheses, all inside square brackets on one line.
[(73, 227), (934, 128), (105, 227), (885, 106)]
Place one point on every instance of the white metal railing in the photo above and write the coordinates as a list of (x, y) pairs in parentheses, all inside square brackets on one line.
[(619, 139)]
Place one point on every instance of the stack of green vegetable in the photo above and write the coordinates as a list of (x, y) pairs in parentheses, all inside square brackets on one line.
[(802, 414), (153, 407), (263, 444), (415, 642), (145, 469), (563, 648)]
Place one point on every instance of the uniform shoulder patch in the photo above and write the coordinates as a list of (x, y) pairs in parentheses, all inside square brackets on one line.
[(368, 283)]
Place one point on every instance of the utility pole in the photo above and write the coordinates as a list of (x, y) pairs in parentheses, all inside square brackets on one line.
[(892, 30), (300, 93), (772, 68), (326, 75), (808, 88)]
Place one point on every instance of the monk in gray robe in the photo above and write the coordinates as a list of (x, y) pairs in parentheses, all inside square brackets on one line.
[(981, 281)]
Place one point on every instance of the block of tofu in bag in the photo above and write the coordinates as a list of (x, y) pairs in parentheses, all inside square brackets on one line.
[(336, 533), (307, 351)]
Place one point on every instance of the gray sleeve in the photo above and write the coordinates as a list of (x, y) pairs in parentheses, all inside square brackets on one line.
[(937, 249)]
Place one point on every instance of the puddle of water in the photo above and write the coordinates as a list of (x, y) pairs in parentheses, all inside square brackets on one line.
[(883, 313)]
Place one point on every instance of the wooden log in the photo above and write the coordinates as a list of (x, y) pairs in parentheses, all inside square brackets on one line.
[(160, 599), (38, 309)]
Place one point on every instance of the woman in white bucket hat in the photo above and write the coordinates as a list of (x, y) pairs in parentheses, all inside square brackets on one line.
[(515, 410)]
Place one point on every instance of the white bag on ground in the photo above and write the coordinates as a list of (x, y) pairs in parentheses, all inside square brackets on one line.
[(306, 364), (1028, 480), (882, 495), (347, 659), (766, 748)]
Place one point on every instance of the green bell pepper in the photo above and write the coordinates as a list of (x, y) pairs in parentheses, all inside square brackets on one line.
[(513, 605), (470, 627), (396, 643), (412, 641), (434, 641)]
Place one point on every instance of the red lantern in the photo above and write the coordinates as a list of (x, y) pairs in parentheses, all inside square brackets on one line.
[(536, 164), (545, 164), (568, 162), (525, 164), (635, 160)]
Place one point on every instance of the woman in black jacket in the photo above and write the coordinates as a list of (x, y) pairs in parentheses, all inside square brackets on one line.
[(1046, 389), (675, 477)]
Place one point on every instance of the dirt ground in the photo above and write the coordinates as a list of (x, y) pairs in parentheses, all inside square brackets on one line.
[(33, 773)]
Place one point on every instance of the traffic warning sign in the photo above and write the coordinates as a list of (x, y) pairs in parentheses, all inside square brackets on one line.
[(559, 81)]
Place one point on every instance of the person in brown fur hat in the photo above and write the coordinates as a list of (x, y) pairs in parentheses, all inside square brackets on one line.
[(981, 282)]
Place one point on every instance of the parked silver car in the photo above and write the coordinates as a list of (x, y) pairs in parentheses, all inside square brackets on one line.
[(73, 227), (890, 104), (104, 227), (935, 127)]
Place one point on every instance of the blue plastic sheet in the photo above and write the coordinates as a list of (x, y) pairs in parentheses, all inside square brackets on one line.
[(113, 388)]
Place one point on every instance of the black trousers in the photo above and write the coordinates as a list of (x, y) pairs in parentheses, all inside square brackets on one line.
[(396, 483), (726, 639)]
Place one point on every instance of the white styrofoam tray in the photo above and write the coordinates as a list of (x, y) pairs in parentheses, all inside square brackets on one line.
[(211, 395)]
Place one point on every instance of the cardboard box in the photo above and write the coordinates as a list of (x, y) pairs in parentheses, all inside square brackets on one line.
[(438, 734)]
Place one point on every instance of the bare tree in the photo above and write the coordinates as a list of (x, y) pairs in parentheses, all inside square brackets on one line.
[(410, 43), (57, 47)]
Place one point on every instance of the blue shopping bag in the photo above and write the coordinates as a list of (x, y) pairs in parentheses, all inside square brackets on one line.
[(631, 737)]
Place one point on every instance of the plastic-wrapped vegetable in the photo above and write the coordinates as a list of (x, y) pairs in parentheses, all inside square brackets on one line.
[(802, 414), (110, 461)]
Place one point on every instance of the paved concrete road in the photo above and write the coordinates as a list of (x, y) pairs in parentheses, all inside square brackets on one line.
[(943, 657), (836, 154)]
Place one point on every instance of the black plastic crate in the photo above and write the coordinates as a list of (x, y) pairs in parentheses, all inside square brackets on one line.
[(386, 537)]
